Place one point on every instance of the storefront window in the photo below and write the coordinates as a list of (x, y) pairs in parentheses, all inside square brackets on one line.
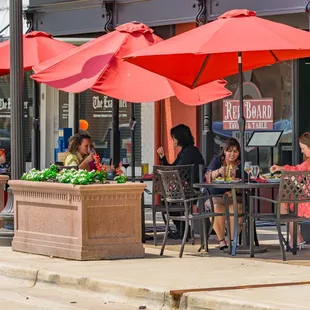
[(270, 85), (96, 109), (5, 118), (63, 109)]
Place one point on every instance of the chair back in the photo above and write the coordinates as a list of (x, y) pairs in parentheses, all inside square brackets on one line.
[(187, 175), (172, 186), (294, 187), (202, 170)]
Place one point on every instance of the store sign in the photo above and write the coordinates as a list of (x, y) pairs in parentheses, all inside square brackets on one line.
[(5, 108), (102, 106), (258, 114)]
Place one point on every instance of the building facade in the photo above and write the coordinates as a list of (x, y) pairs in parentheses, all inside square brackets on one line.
[(283, 84)]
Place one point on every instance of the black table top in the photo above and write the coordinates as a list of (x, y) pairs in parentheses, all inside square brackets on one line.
[(239, 185), (139, 179)]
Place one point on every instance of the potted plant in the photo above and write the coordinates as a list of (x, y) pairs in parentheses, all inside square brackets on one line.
[(77, 214)]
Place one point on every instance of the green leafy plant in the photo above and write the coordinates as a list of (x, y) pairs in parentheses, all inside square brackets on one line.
[(69, 176)]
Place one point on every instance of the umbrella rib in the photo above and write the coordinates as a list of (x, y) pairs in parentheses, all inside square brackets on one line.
[(201, 70), (274, 56)]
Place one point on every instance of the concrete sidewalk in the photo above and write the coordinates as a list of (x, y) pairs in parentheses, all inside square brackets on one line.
[(148, 281)]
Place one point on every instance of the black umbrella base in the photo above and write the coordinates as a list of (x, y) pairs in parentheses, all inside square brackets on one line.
[(6, 237), (243, 249)]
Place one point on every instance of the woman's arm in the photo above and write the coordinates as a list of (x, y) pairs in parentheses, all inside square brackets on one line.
[(85, 163), (303, 166), (164, 161), (73, 161), (215, 167)]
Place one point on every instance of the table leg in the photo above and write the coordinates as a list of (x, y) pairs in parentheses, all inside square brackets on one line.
[(202, 229), (235, 239), (245, 231)]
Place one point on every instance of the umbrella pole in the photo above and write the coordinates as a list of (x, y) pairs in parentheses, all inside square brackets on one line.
[(132, 136), (241, 120), (76, 113), (116, 136), (35, 134), (17, 89)]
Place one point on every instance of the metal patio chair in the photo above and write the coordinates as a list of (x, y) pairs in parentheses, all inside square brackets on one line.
[(187, 176), (173, 192), (294, 189)]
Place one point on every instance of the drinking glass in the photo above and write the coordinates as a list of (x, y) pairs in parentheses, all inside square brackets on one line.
[(255, 172), (91, 150), (144, 169), (105, 161), (208, 176), (126, 163), (248, 169)]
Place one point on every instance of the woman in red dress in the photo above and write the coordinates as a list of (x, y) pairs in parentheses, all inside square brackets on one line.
[(303, 208)]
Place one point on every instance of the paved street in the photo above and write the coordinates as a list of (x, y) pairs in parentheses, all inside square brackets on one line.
[(22, 295)]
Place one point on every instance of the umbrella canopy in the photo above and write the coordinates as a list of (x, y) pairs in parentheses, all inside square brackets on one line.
[(38, 47), (211, 51), (99, 65), (237, 41)]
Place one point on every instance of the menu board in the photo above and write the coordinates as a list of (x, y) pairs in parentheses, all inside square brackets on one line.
[(264, 138)]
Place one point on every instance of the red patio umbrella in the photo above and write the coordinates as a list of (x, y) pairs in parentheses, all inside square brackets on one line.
[(99, 65), (237, 41), (38, 47)]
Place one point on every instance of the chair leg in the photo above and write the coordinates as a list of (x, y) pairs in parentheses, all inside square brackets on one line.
[(281, 241), (287, 241), (252, 224), (184, 236), (252, 242), (165, 237), (255, 235), (193, 232), (295, 226), (164, 218), (154, 225)]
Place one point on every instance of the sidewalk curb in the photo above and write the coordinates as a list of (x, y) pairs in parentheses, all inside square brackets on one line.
[(152, 297), (198, 301)]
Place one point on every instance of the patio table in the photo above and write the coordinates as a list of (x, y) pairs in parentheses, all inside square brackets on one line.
[(233, 187), (142, 179)]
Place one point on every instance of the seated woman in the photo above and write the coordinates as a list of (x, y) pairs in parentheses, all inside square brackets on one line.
[(78, 151), (189, 154), (303, 208), (228, 161)]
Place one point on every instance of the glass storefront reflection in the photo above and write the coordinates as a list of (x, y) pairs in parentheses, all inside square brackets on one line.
[(5, 119), (273, 82), (96, 109)]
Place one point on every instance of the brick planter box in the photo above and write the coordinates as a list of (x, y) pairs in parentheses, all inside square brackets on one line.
[(84, 222)]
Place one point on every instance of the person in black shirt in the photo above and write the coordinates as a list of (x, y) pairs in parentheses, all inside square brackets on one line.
[(189, 154)]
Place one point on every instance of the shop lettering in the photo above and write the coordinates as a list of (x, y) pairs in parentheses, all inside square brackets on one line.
[(106, 103), (257, 112), (5, 104)]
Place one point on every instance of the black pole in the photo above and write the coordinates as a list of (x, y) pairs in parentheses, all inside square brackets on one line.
[(241, 120), (76, 113), (17, 89), (296, 114), (35, 133), (115, 134), (207, 134), (132, 136)]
